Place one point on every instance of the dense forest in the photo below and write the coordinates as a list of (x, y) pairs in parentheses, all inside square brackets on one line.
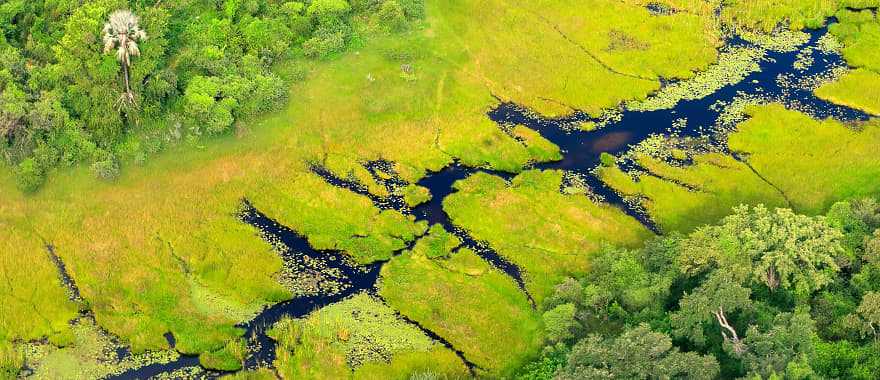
[(86, 83), (762, 295)]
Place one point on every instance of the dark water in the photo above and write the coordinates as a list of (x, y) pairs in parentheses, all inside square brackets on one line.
[(581, 150)]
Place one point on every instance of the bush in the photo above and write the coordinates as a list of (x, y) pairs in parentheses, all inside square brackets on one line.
[(413, 9), (560, 323), (391, 16), (324, 43), (106, 167), (30, 175)]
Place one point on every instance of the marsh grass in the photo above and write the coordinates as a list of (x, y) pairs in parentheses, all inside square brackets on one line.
[(532, 223), (476, 308), (859, 89)]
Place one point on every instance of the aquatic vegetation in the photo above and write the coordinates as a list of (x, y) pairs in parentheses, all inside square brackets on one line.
[(415, 195), (87, 352), (783, 40), (337, 218), (340, 338), (473, 306), (36, 304), (859, 35), (530, 222), (734, 64), (540, 149), (438, 363), (857, 89)]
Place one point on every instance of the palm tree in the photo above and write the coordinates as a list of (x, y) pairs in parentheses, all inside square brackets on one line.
[(123, 33)]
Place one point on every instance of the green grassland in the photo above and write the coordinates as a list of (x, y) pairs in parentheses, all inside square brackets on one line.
[(478, 309), (857, 89), (549, 235)]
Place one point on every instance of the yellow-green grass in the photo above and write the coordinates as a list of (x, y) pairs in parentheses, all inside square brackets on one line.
[(35, 305), (860, 34), (572, 41), (476, 308), (815, 163), (160, 249), (359, 337), (549, 235), (364, 232), (684, 198), (439, 363), (767, 15), (859, 89)]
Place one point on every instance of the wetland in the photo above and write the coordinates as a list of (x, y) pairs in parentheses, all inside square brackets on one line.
[(414, 208)]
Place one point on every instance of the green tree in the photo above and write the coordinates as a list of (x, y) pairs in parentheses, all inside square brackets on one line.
[(776, 248), (122, 32), (638, 353), (867, 316), (13, 131), (712, 302), (206, 106), (789, 339), (560, 323)]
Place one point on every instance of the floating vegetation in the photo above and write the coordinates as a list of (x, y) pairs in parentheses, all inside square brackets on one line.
[(185, 373), (89, 352), (781, 40), (734, 64), (733, 112), (306, 276), (804, 59), (829, 44)]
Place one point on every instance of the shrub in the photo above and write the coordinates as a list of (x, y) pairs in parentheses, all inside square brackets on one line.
[(391, 16), (30, 175), (413, 9), (106, 167), (560, 323), (323, 43)]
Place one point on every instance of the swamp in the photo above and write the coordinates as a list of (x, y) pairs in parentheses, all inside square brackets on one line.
[(440, 189)]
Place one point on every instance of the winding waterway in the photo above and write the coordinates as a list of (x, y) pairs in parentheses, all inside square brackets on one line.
[(580, 149)]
